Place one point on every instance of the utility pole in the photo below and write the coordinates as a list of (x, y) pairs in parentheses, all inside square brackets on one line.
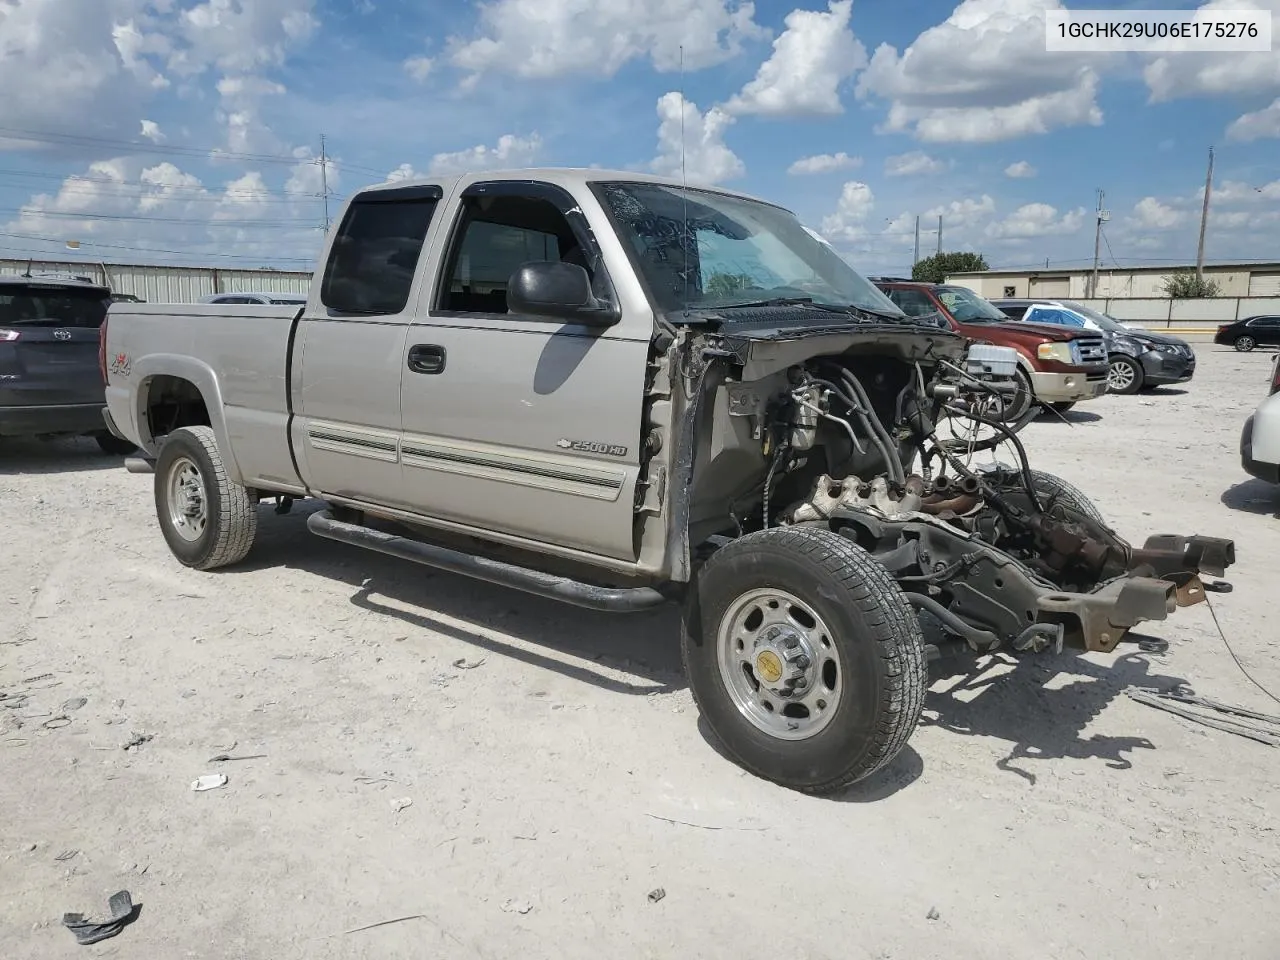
[(324, 181), (916, 258), (1097, 247), (1204, 218), (939, 234)]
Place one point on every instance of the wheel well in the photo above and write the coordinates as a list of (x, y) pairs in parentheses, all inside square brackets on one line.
[(172, 403)]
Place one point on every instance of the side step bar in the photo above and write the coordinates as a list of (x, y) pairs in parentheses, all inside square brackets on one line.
[(613, 599)]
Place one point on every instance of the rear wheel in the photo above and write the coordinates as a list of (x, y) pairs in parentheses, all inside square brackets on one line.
[(112, 445), (207, 520), (1125, 375), (804, 658), (1052, 488), (1245, 344)]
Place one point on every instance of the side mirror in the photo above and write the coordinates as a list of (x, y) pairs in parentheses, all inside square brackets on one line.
[(558, 291)]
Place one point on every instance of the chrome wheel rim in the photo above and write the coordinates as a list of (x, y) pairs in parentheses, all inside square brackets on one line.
[(1120, 376), (188, 507), (779, 664), (1244, 343)]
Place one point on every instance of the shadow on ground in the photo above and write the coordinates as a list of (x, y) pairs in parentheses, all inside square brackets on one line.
[(1039, 703), (20, 455), (1253, 496), (1070, 416), (498, 621)]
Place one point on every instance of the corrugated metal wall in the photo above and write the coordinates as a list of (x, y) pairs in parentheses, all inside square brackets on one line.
[(168, 284)]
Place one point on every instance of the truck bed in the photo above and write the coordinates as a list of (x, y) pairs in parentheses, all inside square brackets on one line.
[(237, 354)]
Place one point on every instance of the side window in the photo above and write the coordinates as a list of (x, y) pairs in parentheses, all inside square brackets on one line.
[(1044, 315), (1069, 319), (375, 251), (1013, 313), (495, 236), (912, 302)]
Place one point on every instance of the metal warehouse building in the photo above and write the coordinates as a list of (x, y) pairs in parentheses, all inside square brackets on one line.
[(157, 284), (1233, 279)]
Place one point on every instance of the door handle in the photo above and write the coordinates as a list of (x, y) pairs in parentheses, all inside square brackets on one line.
[(426, 358)]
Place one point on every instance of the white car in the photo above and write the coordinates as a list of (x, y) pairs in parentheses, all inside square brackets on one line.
[(240, 296), (1260, 440)]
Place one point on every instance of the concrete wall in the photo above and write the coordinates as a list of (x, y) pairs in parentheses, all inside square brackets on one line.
[(168, 284), (1205, 312)]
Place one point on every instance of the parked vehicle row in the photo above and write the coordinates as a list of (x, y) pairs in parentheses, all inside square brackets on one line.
[(685, 397), (1138, 358), (1260, 438)]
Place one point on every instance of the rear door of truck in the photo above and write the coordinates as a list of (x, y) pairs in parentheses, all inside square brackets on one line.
[(49, 343)]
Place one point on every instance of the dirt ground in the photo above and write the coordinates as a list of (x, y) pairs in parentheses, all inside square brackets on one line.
[(554, 767)]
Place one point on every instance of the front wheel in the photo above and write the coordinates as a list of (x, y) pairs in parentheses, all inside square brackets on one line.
[(804, 658), (207, 520), (1124, 376), (1245, 344), (1016, 406)]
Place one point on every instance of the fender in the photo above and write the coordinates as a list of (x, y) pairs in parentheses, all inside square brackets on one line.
[(203, 378)]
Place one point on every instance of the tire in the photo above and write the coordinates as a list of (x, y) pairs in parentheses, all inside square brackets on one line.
[(1016, 408), (222, 529), (113, 446), (1052, 487), (1245, 344), (864, 642), (1124, 376)]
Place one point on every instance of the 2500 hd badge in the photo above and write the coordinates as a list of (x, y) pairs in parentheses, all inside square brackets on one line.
[(591, 446)]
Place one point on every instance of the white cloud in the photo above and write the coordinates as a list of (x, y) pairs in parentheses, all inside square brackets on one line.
[(419, 68), (510, 152), (815, 54), (911, 164), (849, 222), (151, 130), (824, 163), (706, 158), (1036, 220), (547, 38), (982, 76), (962, 213), (1258, 125), (235, 36), (239, 110), (1150, 214), (403, 172), (1197, 73), (1021, 170)]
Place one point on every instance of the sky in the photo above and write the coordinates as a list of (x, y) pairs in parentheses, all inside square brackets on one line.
[(189, 131)]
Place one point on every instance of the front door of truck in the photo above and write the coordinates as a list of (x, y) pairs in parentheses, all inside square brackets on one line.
[(519, 424), (349, 347)]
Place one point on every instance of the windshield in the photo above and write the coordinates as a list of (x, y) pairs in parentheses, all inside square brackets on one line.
[(967, 307), (33, 305), (1101, 319), (738, 251)]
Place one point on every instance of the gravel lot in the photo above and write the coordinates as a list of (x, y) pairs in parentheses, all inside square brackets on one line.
[(555, 766)]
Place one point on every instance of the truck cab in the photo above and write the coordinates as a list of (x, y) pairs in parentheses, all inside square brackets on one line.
[(1058, 366)]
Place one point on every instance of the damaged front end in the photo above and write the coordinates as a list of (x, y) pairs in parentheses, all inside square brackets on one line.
[(879, 441)]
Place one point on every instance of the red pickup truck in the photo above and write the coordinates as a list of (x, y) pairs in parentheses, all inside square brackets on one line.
[(1057, 366)]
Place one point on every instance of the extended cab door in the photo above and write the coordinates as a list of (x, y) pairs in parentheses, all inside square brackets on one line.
[(516, 424), (349, 346)]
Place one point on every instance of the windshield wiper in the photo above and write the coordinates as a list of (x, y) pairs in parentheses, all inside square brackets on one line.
[(771, 302)]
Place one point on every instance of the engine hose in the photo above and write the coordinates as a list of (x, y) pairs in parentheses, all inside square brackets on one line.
[(876, 428), (979, 639), (1023, 463)]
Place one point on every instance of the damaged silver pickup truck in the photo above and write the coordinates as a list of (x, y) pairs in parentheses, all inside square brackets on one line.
[(618, 391)]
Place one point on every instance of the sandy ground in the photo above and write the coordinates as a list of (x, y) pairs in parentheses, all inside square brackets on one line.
[(556, 769)]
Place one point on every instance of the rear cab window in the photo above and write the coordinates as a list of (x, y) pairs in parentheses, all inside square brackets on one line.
[(374, 255)]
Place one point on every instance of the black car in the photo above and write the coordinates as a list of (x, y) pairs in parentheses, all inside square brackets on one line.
[(1244, 335), (1139, 358), (50, 381)]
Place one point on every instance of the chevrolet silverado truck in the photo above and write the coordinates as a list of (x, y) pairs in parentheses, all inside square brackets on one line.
[(621, 392), (1057, 366)]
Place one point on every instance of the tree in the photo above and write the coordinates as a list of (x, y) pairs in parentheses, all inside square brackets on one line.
[(1185, 285), (935, 269)]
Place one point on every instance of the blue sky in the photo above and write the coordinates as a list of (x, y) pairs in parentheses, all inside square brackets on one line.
[(911, 108)]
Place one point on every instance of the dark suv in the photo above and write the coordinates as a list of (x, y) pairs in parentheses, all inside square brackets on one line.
[(50, 381)]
